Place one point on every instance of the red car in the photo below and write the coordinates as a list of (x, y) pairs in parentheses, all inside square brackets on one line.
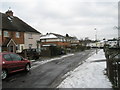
[(12, 62)]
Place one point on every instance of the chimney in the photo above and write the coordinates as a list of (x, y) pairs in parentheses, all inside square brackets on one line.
[(9, 13)]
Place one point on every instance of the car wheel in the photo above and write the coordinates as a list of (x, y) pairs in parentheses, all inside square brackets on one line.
[(27, 68), (3, 74)]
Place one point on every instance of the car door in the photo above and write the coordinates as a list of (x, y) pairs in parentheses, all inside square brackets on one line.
[(8, 63), (17, 60)]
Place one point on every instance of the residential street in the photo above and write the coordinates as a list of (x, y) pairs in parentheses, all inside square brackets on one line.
[(59, 44), (48, 75)]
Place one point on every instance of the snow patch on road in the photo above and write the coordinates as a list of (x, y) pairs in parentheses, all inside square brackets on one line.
[(38, 63), (88, 75)]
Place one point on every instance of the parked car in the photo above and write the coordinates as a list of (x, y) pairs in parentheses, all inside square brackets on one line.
[(12, 62), (31, 53)]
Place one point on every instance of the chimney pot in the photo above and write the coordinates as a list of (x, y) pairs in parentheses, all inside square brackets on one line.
[(9, 13)]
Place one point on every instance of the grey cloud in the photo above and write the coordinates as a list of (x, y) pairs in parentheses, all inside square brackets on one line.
[(66, 16)]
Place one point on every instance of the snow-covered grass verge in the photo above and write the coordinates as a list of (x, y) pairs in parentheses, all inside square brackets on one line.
[(88, 75), (38, 63)]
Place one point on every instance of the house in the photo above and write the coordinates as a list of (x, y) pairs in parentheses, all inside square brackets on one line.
[(53, 44), (58, 40), (72, 40), (52, 39), (98, 44), (16, 34)]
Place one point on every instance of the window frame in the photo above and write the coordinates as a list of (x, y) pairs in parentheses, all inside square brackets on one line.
[(17, 34), (30, 36), (0, 32), (6, 34)]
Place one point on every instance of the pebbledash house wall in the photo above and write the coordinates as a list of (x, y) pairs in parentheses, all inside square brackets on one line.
[(31, 40)]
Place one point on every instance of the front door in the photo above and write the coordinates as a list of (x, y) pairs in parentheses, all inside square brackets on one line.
[(11, 49), (17, 60)]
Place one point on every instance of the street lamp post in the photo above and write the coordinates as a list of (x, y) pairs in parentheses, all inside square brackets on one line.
[(95, 35), (96, 38), (118, 36)]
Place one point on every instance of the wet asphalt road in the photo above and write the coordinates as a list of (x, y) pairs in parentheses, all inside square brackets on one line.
[(48, 75)]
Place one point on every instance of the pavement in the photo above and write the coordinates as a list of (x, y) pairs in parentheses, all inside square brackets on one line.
[(91, 74)]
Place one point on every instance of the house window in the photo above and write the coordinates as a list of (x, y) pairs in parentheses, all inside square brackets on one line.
[(6, 34), (17, 35), (30, 36), (30, 46)]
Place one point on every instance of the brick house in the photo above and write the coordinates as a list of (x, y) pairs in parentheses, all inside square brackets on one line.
[(15, 33), (58, 40), (72, 40), (55, 44), (52, 39)]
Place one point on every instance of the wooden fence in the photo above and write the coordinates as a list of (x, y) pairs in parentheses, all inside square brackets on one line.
[(113, 66)]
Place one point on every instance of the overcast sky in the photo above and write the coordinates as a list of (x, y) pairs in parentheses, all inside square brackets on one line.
[(75, 17)]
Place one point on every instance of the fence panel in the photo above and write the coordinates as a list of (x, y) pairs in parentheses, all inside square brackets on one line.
[(113, 67)]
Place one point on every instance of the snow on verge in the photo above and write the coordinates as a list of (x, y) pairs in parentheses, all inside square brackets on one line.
[(88, 75)]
